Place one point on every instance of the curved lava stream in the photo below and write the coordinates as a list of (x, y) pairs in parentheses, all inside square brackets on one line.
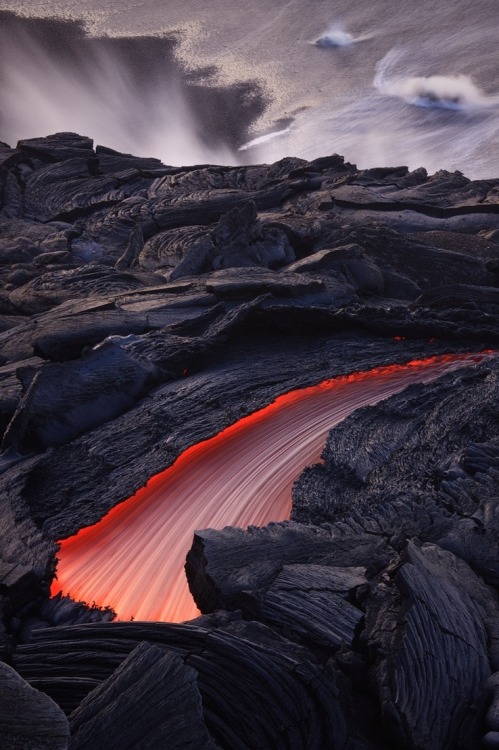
[(133, 559)]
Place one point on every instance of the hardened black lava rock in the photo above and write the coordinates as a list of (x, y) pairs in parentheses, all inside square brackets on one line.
[(145, 307)]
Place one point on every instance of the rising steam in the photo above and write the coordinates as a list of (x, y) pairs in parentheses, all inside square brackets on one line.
[(129, 94), (99, 101)]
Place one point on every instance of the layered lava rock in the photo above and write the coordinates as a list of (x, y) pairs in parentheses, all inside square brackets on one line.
[(144, 309), (133, 560)]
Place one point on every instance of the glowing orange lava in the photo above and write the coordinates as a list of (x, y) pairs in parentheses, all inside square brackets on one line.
[(133, 560)]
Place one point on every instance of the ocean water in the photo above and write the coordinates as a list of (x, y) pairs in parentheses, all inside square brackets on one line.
[(382, 82)]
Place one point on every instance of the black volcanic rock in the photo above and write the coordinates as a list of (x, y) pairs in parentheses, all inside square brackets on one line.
[(58, 147), (480, 299), (311, 601), (54, 287), (238, 240), (427, 624), (18, 583), (288, 701), (143, 308), (150, 697), (23, 545), (424, 429), (29, 719), (231, 568), (9, 157)]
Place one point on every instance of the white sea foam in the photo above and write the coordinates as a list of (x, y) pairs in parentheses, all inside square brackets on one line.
[(265, 138), (449, 92), (335, 36), (327, 90), (457, 92)]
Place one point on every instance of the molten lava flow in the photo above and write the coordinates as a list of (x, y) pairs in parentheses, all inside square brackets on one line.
[(133, 560)]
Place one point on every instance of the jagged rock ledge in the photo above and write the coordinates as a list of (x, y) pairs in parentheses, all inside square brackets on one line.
[(144, 307)]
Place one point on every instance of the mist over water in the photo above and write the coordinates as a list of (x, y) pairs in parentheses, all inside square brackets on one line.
[(202, 81), (127, 93)]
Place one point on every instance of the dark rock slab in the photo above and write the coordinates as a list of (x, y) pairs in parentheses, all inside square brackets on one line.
[(362, 463), (254, 281), (166, 250), (54, 287), (67, 190), (443, 193), (229, 569), (6, 638), (65, 335), (18, 583), (151, 700), (57, 147), (132, 251), (64, 400), (349, 263), (456, 324), (492, 716), (427, 635), (238, 240), (29, 719), (67, 339), (411, 255), (9, 157), (116, 163), (9, 321), (479, 245), (163, 299), (399, 286), (461, 297), (310, 601), (11, 389), (11, 198), (253, 695), (414, 219), (22, 542), (251, 630)]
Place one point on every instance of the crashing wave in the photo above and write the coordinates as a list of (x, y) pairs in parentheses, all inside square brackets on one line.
[(265, 138), (335, 36), (458, 92), (448, 92)]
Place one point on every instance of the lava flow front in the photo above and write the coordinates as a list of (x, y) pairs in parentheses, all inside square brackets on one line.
[(133, 560)]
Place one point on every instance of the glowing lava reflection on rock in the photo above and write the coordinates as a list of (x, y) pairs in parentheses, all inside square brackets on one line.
[(133, 560)]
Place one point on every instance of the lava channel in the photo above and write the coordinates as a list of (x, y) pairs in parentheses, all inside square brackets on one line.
[(133, 559)]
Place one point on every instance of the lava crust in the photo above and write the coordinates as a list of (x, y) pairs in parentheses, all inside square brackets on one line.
[(146, 308)]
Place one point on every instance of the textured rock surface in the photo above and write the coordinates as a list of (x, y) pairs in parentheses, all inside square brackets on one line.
[(427, 624), (301, 694), (150, 700), (143, 308), (29, 719)]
